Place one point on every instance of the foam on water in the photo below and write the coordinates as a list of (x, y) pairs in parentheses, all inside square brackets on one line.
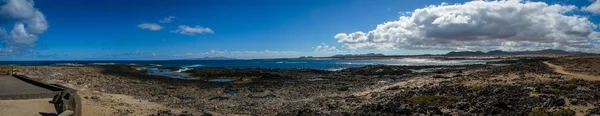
[(335, 69), (182, 70), (193, 66), (289, 62), (68, 64), (355, 63), (97, 63), (330, 65)]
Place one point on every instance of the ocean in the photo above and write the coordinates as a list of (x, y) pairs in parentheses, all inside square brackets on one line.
[(313, 64), (331, 65)]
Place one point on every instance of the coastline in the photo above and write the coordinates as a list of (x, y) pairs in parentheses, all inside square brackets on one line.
[(516, 88)]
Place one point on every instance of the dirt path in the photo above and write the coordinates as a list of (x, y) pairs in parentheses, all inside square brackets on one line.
[(560, 69)]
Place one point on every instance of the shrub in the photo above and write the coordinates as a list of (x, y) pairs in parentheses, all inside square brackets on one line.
[(570, 86), (555, 91), (564, 112), (474, 88), (431, 100), (460, 80), (538, 112)]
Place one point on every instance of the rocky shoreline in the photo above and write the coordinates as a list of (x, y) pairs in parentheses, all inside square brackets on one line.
[(521, 87)]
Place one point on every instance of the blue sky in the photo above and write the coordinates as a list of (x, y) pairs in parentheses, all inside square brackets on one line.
[(110, 29)]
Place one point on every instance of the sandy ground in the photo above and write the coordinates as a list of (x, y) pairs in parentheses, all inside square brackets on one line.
[(31, 107), (111, 104), (97, 103), (561, 70)]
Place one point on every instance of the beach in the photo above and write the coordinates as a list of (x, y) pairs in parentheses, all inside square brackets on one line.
[(513, 86)]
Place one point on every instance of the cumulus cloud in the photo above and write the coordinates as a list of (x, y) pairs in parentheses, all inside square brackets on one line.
[(241, 54), (167, 19), (150, 26), (481, 25), (192, 31), (324, 48), (593, 8), (29, 22)]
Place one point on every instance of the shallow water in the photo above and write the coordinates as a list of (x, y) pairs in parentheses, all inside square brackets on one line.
[(231, 91), (220, 80)]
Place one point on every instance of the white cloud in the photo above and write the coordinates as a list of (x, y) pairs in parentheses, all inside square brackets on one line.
[(28, 23), (593, 8), (324, 48), (404, 13), (241, 54), (187, 30), (481, 25), (150, 26), (167, 19)]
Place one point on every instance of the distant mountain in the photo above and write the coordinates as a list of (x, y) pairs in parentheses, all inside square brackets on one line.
[(551, 51), (211, 58), (465, 53), (356, 55), (500, 52)]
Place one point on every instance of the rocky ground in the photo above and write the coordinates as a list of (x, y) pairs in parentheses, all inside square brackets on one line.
[(521, 87)]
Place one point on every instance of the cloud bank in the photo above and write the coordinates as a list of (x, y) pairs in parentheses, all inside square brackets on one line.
[(28, 21), (192, 31), (150, 26), (482, 25), (593, 8)]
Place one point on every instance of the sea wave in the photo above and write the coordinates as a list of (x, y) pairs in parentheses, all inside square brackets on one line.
[(192, 66), (354, 63), (67, 64), (289, 62), (335, 69), (150, 69), (110, 63), (184, 69)]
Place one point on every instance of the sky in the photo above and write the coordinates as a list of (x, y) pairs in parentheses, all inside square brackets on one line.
[(248, 29)]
